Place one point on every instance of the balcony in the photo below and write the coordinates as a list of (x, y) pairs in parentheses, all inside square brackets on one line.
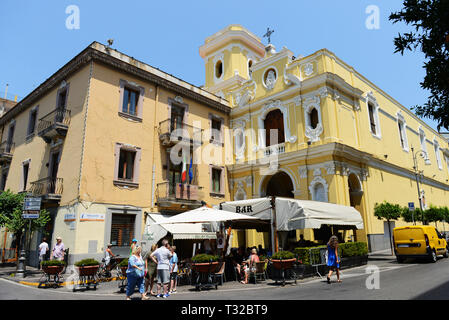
[(50, 189), (274, 150), (178, 196), (171, 133), (6, 151), (53, 125)]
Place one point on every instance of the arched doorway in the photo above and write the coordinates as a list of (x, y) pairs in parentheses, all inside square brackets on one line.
[(279, 185)]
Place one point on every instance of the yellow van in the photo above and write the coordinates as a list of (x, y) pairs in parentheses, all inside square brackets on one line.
[(419, 242)]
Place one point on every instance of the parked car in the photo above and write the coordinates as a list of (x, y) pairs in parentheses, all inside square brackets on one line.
[(419, 242)]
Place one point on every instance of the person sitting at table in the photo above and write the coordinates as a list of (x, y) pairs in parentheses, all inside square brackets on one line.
[(244, 272)]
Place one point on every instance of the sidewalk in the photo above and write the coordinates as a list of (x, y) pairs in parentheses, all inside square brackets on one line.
[(33, 276)]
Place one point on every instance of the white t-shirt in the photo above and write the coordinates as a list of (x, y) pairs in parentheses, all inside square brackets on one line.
[(43, 247), (163, 256)]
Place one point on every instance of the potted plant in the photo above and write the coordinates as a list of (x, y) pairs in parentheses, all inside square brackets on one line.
[(283, 259), (87, 267), (52, 267), (204, 263), (123, 265)]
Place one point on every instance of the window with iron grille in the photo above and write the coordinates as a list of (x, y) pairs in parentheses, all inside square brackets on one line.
[(122, 229)]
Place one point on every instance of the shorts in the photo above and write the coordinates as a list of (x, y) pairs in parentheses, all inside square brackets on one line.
[(163, 276), (173, 275)]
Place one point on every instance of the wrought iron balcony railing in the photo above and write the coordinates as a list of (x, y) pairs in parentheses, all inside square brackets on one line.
[(54, 123), (167, 191), (171, 132), (47, 187)]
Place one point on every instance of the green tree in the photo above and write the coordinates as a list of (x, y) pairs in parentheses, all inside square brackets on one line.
[(434, 214), (430, 33), (11, 206), (388, 212)]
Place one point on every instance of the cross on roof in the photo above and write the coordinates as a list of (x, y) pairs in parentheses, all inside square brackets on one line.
[(268, 35)]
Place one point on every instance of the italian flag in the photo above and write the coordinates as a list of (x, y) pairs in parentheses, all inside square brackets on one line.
[(184, 169)]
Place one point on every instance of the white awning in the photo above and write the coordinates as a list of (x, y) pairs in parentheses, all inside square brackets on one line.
[(181, 230), (205, 215), (292, 214)]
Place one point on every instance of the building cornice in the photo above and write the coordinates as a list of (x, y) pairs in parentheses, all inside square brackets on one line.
[(95, 52)]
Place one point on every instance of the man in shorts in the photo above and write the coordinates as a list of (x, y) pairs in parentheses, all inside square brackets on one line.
[(162, 257)]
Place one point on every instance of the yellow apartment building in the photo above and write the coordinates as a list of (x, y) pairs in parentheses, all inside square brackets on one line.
[(94, 141), (340, 138)]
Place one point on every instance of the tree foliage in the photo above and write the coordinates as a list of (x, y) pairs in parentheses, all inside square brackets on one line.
[(430, 22), (387, 211), (11, 207)]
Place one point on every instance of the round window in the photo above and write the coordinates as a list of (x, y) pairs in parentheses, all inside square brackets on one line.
[(269, 78)]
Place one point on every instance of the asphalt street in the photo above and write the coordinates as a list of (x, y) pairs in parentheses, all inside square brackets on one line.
[(381, 279)]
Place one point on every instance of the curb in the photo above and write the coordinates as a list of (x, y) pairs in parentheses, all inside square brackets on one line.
[(36, 284)]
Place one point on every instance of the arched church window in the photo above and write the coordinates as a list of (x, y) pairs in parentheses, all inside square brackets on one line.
[(274, 123)]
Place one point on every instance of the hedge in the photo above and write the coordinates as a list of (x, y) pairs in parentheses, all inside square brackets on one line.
[(87, 262), (303, 254), (352, 249), (283, 255), (203, 258), (348, 249), (51, 263)]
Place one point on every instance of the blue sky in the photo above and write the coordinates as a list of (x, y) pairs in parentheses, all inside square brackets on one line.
[(167, 34)]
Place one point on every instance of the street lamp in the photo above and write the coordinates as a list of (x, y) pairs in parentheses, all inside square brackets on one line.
[(422, 154)]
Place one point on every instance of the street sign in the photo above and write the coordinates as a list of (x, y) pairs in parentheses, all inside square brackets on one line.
[(30, 214), (411, 206), (32, 204)]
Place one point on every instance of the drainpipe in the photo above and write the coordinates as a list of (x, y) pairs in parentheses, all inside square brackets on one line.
[(154, 165)]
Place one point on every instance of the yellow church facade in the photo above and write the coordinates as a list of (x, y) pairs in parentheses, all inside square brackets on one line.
[(340, 138)]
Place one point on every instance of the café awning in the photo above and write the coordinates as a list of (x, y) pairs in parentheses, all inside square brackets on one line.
[(206, 215), (292, 214), (180, 231)]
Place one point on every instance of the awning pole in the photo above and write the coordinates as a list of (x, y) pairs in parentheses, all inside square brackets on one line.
[(274, 240)]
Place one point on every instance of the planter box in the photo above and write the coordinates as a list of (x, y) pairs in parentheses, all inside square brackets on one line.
[(87, 270), (52, 270), (207, 267), (283, 264)]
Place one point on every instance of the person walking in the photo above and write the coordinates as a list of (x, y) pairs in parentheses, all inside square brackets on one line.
[(135, 274), (163, 256), (58, 250), (151, 269), (333, 260), (43, 249), (133, 245), (173, 270)]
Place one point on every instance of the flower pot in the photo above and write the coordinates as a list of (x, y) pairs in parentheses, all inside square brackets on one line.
[(283, 264), (52, 270), (87, 270), (206, 267)]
